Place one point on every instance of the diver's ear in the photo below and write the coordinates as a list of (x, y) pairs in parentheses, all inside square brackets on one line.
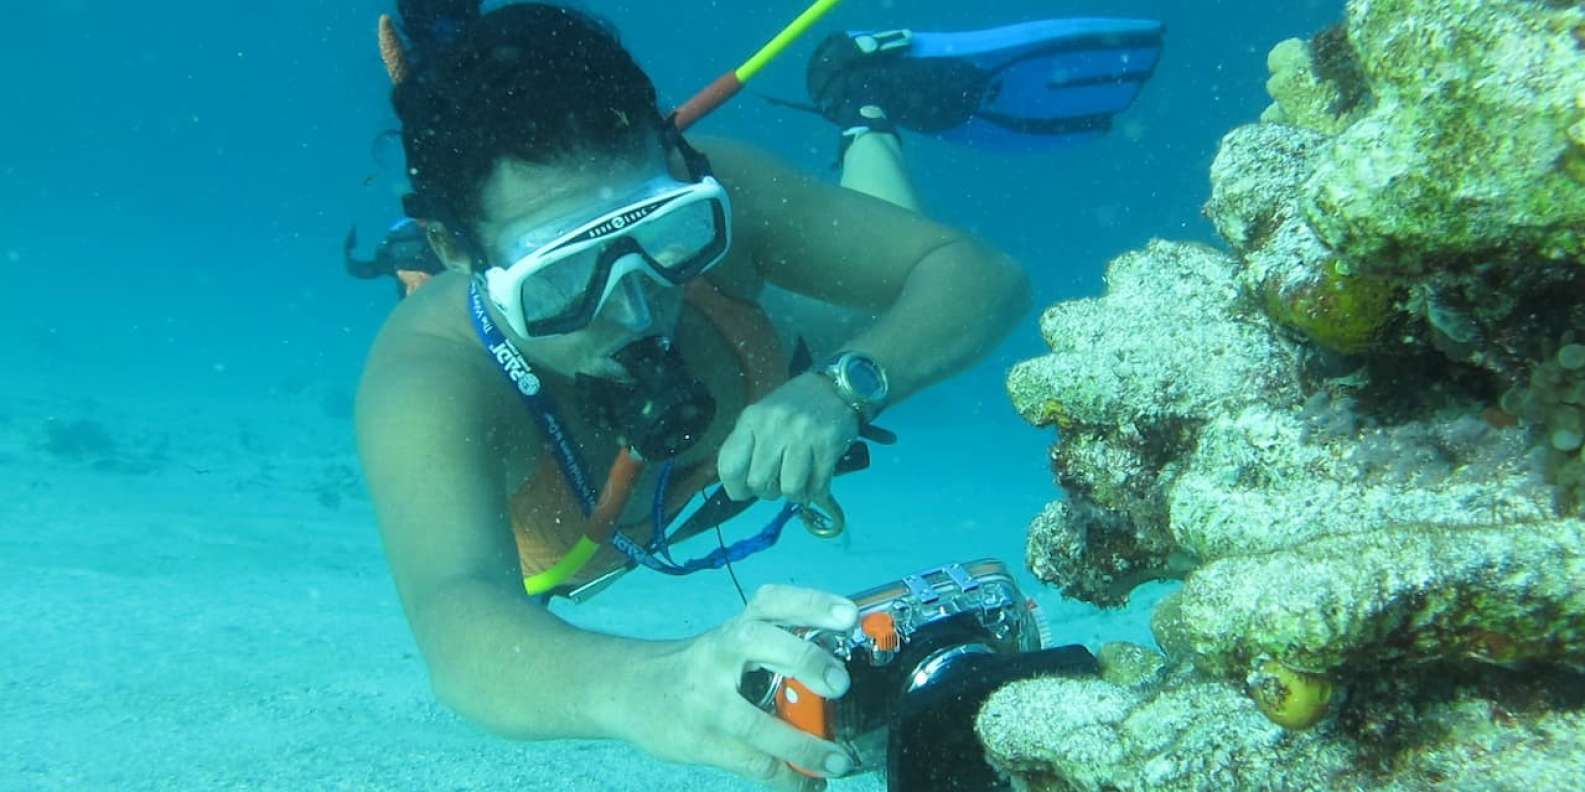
[(447, 248)]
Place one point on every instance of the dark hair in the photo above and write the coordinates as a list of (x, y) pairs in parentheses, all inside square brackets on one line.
[(433, 25), (530, 81)]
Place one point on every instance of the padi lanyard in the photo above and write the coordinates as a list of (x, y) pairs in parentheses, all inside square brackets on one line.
[(512, 363), (529, 387)]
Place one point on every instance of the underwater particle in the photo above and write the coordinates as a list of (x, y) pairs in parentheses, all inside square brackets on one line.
[(1288, 697)]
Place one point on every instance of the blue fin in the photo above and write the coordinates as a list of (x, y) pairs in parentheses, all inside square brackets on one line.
[(1026, 85)]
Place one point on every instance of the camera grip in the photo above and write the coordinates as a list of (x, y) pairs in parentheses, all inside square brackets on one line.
[(806, 711)]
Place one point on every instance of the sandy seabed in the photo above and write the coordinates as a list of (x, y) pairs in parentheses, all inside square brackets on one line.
[(195, 598)]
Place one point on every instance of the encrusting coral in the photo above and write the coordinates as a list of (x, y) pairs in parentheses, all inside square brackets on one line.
[(1358, 438)]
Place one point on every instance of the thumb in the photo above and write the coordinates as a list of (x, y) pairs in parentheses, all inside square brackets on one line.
[(732, 463)]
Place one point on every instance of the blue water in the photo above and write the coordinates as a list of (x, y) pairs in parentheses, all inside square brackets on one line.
[(178, 178)]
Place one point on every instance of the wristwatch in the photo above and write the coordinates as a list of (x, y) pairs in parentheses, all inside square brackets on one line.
[(860, 381)]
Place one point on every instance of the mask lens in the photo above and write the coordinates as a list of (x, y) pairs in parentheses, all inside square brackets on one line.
[(678, 240), (558, 288)]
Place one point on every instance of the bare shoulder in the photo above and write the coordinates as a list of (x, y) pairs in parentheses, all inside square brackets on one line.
[(425, 374), (432, 433)]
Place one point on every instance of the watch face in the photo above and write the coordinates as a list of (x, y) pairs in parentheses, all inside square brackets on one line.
[(865, 378)]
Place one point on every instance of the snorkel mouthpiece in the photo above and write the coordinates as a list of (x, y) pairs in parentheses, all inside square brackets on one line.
[(662, 412)]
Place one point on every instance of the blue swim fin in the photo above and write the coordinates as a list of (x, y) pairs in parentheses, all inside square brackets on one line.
[(1020, 86)]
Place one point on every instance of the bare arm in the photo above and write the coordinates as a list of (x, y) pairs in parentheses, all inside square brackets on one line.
[(494, 655), (944, 298)]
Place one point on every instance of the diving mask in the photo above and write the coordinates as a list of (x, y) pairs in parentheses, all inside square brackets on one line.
[(560, 276)]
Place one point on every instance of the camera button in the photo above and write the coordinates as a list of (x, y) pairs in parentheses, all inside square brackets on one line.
[(881, 629)]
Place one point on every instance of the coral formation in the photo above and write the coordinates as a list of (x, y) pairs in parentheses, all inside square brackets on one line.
[(1358, 438), (1316, 84), (1130, 401), (1130, 665), (1186, 734), (1460, 156)]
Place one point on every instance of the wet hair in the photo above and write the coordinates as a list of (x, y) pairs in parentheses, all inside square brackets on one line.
[(433, 25), (532, 81)]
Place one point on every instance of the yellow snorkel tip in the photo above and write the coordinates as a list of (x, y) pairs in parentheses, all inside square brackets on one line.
[(728, 85)]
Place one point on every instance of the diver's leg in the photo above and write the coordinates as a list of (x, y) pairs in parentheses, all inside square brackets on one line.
[(873, 165), (843, 78)]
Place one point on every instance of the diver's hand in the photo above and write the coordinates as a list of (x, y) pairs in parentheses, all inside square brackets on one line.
[(687, 707), (788, 443)]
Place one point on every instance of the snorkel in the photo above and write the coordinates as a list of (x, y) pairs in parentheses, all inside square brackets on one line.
[(729, 84)]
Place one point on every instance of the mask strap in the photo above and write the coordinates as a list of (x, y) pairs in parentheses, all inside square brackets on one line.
[(698, 164)]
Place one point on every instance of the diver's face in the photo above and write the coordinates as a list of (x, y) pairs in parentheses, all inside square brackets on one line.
[(520, 197)]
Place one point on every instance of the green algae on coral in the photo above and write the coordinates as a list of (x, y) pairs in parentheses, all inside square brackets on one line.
[(1344, 313), (1288, 697), (1465, 150)]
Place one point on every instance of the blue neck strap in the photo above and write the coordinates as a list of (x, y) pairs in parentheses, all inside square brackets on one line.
[(512, 363)]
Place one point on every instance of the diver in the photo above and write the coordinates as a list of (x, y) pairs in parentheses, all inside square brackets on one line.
[(404, 254), (596, 296)]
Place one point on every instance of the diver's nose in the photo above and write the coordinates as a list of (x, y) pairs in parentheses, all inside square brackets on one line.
[(628, 306)]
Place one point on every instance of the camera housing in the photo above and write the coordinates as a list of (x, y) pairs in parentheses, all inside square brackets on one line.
[(912, 635)]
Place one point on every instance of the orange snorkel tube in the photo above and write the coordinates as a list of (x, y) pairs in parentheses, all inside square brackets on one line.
[(728, 85)]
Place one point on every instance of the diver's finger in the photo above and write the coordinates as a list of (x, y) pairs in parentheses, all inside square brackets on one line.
[(733, 463), (796, 606), (751, 763), (778, 651), (773, 736), (820, 475), (797, 470), (764, 473)]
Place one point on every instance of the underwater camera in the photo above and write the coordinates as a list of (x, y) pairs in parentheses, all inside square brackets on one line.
[(927, 651)]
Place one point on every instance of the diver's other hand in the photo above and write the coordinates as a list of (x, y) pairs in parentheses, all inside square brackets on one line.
[(687, 707), (788, 443)]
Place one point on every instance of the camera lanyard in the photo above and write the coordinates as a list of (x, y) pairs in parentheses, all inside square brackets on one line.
[(510, 361)]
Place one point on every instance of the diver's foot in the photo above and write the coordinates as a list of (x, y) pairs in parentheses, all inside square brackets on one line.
[(871, 120), (847, 76), (850, 73)]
